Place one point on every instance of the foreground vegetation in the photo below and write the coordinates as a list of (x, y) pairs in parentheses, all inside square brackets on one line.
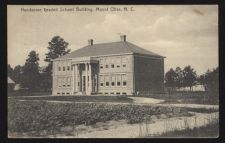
[(210, 130), (36, 116)]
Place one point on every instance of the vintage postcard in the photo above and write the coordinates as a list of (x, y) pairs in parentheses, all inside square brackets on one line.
[(113, 71)]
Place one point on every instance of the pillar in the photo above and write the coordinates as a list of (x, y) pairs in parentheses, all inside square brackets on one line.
[(73, 79), (76, 78), (86, 78), (90, 79)]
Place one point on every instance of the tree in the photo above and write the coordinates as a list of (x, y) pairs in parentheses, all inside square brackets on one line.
[(57, 47), (30, 72), (189, 77), (179, 77), (212, 80), (17, 73), (170, 79), (10, 71)]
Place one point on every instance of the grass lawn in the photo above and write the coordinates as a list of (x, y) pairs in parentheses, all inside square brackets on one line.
[(187, 97), (92, 98)]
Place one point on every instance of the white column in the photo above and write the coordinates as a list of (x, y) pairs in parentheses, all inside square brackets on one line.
[(90, 79), (86, 78), (76, 78), (73, 79)]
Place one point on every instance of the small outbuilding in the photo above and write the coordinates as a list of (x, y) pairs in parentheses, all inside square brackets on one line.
[(11, 84)]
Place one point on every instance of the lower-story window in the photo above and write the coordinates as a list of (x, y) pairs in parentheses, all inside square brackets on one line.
[(107, 84), (118, 93), (101, 84)]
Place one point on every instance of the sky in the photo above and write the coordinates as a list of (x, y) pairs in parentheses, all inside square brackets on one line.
[(184, 34)]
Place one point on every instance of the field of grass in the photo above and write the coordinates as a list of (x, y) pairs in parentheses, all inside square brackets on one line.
[(119, 99), (36, 116), (187, 97)]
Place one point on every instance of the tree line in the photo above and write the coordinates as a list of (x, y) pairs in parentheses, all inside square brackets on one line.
[(30, 75), (180, 78)]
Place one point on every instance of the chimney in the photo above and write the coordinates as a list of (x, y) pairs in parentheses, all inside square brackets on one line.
[(90, 42), (123, 38)]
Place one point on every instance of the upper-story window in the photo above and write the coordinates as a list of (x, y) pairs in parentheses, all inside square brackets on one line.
[(124, 61), (68, 68), (112, 65), (59, 68), (106, 66), (64, 68)]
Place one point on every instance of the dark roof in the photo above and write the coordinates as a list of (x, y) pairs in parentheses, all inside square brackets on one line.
[(108, 49)]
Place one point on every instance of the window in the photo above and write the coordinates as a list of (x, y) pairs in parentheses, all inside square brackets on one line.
[(118, 77), (68, 68), (118, 66), (101, 67), (67, 93), (113, 80), (68, 81), (59, 68), (58, 92), (64, 68), (112, 66), (113, 83), (106, 66), (63, 93), (101, 80), (78, 83), (112, 93), (59, 82), (124, 93), (106, 80), (124, 61), (106, 93), (64, 82), (118, 93), (124, 79)]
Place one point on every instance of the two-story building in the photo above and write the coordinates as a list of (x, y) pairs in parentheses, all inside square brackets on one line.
[(116, 68)]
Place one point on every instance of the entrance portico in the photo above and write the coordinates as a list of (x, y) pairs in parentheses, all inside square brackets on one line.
[(84, 76)]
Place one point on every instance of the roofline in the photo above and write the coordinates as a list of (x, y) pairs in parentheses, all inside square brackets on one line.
[(156, 56), (63, 59)]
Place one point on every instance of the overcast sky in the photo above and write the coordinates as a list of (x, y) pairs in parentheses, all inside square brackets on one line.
[(185, 35)]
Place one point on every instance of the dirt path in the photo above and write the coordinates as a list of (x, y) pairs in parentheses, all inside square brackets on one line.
[(123, 130)]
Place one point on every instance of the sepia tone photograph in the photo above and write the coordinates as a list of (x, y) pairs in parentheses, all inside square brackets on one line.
[(113, 71)]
